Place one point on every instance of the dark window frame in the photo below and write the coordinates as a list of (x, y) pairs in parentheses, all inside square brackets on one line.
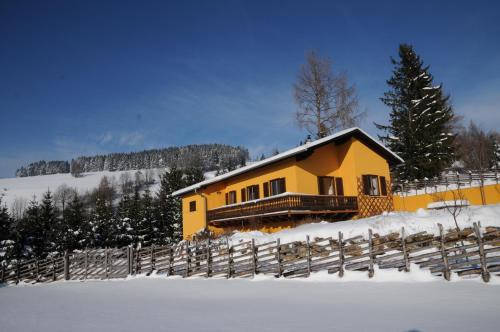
[(320, 185), (368, 188)]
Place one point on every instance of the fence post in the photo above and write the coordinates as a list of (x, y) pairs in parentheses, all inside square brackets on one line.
[(405, 252), (341, 256), (129, 262), (278, 256), (188, 260), (86, 264), (106, 263), (66, 266), (371, 271), (308, 244), (18, 271), (209, 259), (485, 274), (3, 271), (446, 269), (54, 278), (254, 257), (152, 266), (37, 270), (229, 260), (171, 261)]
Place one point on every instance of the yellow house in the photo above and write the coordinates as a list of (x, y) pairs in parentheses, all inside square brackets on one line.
[(340, 176)]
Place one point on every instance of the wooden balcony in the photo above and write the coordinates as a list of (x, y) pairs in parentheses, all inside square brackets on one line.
[(285, 204)]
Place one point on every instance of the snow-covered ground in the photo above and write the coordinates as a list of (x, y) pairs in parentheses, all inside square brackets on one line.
[(261, 304), (413, 222)]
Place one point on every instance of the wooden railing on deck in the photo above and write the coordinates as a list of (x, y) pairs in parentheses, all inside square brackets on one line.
[(288, 202)]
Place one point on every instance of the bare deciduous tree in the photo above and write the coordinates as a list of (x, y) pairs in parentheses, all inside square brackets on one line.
[(18, 207), (326, 101), (62, 194)]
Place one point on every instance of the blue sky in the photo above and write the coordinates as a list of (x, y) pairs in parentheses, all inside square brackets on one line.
[(87, 77)]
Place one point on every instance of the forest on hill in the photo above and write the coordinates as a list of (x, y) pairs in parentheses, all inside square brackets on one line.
[(208, 157)]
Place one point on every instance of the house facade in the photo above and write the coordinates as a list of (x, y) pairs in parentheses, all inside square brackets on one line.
[(341, 176)]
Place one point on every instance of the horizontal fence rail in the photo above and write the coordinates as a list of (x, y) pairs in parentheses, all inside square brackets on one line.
[(444, 182), (469, 251), (283, 203)]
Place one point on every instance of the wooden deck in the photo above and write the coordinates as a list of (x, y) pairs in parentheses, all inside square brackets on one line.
[(289, 204)]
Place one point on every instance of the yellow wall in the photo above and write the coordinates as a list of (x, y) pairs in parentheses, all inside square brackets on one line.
[(348, 160), (491, 195)]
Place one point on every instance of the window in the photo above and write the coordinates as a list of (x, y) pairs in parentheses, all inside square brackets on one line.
[(231, 197), (252, 192), (339, 185), (371, 185), (326, 185), (192, 206), (383, 186), (277, 186)]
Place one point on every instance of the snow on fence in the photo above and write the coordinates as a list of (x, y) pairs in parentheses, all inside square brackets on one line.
[(451, 180), (469, 251)]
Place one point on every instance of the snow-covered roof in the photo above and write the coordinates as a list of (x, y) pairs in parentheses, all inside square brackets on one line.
[(290, 153)]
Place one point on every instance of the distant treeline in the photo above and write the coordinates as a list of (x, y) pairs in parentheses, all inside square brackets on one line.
[(209, 157)]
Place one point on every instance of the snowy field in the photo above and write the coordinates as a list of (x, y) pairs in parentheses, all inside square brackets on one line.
[(262, 304)]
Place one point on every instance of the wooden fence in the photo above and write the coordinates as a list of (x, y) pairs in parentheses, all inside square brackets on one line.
[(451, 179), (465, 252)]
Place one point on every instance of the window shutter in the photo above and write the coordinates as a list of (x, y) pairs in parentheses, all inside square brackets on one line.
[(282, 185), (339, 183), (383, 186), (257, 191), (266, 189), (320, 186), (366, 184), (243, 195), (227, 198)]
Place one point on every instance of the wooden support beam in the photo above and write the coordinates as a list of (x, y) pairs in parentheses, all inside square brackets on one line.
[(341, 255), (371, 271), (255, 257), (308, 247), (209, 259), (485, 274), (278, 257), (66, 266), (444, 255), (405, 251)]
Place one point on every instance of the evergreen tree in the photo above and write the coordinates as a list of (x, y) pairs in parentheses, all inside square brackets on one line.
[(33, 233), (169, 214), (53, 230), (6, 235), (420, 120), (126, 222), (148, 222), (102, 224), (76, 227), (193, 175)]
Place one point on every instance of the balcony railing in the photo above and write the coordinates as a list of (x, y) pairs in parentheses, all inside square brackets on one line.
[(285, 203)]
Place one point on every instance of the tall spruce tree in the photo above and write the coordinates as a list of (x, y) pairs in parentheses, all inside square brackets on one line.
[(169, 214), (53, 230), (76, 227), (103, 224), (420, 120), (125, 234), (6, 235)]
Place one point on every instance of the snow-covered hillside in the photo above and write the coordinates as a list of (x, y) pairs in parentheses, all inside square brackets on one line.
[(27, 187)]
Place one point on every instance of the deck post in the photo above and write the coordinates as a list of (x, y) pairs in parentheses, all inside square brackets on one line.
[(446, 268), (371, 271), (341, 256), (485, 274), (171, 261)]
